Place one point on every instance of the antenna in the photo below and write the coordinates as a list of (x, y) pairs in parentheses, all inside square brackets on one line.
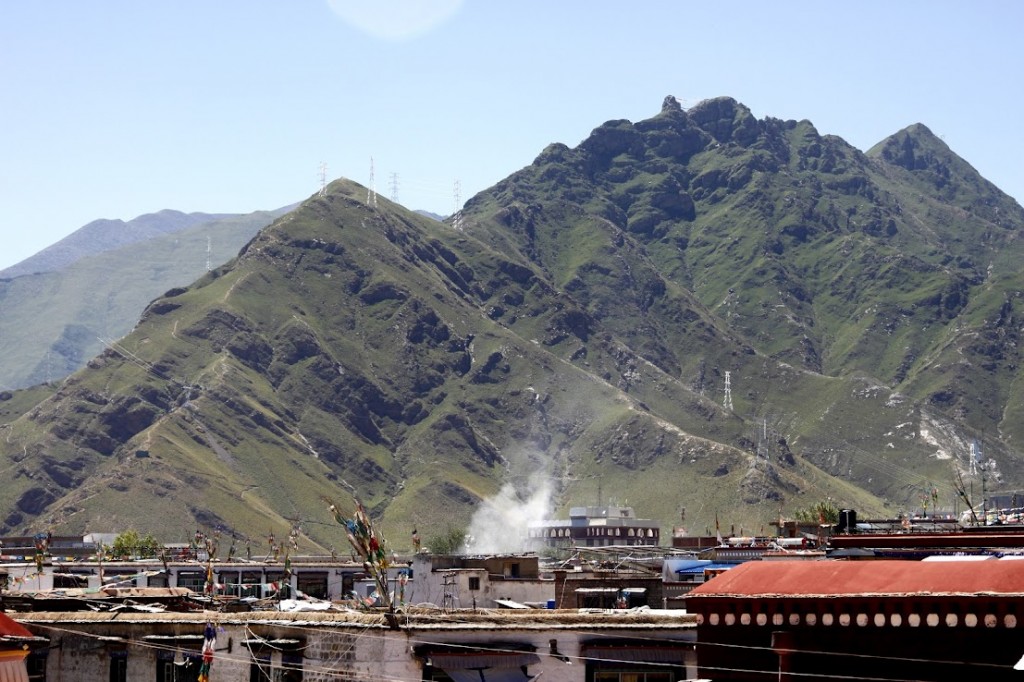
[(457, 212), (394, 187), (727, 403), (371, 191), (323, 178)]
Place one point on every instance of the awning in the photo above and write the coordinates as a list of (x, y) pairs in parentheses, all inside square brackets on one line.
[(176, 639), (288, 644)]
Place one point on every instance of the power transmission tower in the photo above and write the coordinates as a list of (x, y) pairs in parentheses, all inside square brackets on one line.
[(394, 187), (371, 191), (323, 178), (457, 212), (727, 403), (208, 243)]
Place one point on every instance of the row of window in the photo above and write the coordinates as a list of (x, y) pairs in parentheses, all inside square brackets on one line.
[(596, 531), (971, 620), (237, 583)]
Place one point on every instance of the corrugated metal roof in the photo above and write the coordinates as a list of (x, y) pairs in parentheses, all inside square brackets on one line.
[(694, 570), (874, 578)]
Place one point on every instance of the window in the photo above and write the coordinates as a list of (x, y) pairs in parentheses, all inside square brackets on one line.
[(288, 670), (259, 669), (36, 666), (631, 676), (284, 590), (229, 579), (120, 578), (186, 670), (251, 584), (193, 580), (119, 666), (474, 583), (64, 581), (164, 669), (313, 584), (291, 668), (635, 661)]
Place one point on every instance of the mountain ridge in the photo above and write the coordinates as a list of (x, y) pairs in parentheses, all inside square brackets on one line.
[(105, 234)]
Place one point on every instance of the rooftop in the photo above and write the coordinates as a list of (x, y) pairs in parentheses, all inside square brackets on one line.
[(417, 618), (866, 578)]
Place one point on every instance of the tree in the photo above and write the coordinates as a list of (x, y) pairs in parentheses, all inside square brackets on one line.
[(449, 542), (821, 512), (130, 545)]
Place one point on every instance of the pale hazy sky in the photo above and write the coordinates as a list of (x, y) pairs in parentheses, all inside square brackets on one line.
[(112, 109)]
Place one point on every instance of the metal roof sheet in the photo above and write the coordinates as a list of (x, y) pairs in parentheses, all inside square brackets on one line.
[(693, 570), (876, 577)]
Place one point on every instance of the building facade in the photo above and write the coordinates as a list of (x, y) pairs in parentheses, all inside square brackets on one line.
[(494, 646), (601, 526), (900, 620)]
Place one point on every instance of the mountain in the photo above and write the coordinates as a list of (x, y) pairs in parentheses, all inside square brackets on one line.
[(73, 302), (700, 310), (104, 235)]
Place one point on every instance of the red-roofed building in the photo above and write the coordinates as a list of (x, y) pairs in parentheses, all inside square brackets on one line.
[(13, 638), (897, 620)]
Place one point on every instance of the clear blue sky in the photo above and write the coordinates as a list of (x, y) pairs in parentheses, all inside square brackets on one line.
[(112, 109)]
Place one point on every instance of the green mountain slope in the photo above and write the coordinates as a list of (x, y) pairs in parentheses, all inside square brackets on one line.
[(579, 329)]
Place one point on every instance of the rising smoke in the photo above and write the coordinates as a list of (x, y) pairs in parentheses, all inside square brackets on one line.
[(500, 525)]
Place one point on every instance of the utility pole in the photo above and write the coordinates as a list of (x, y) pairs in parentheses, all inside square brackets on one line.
[(448, 597)]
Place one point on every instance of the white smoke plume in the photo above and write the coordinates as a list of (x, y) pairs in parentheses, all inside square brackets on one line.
[(500, 525)]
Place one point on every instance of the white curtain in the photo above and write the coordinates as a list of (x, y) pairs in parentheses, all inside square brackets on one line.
[(13, 670)]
